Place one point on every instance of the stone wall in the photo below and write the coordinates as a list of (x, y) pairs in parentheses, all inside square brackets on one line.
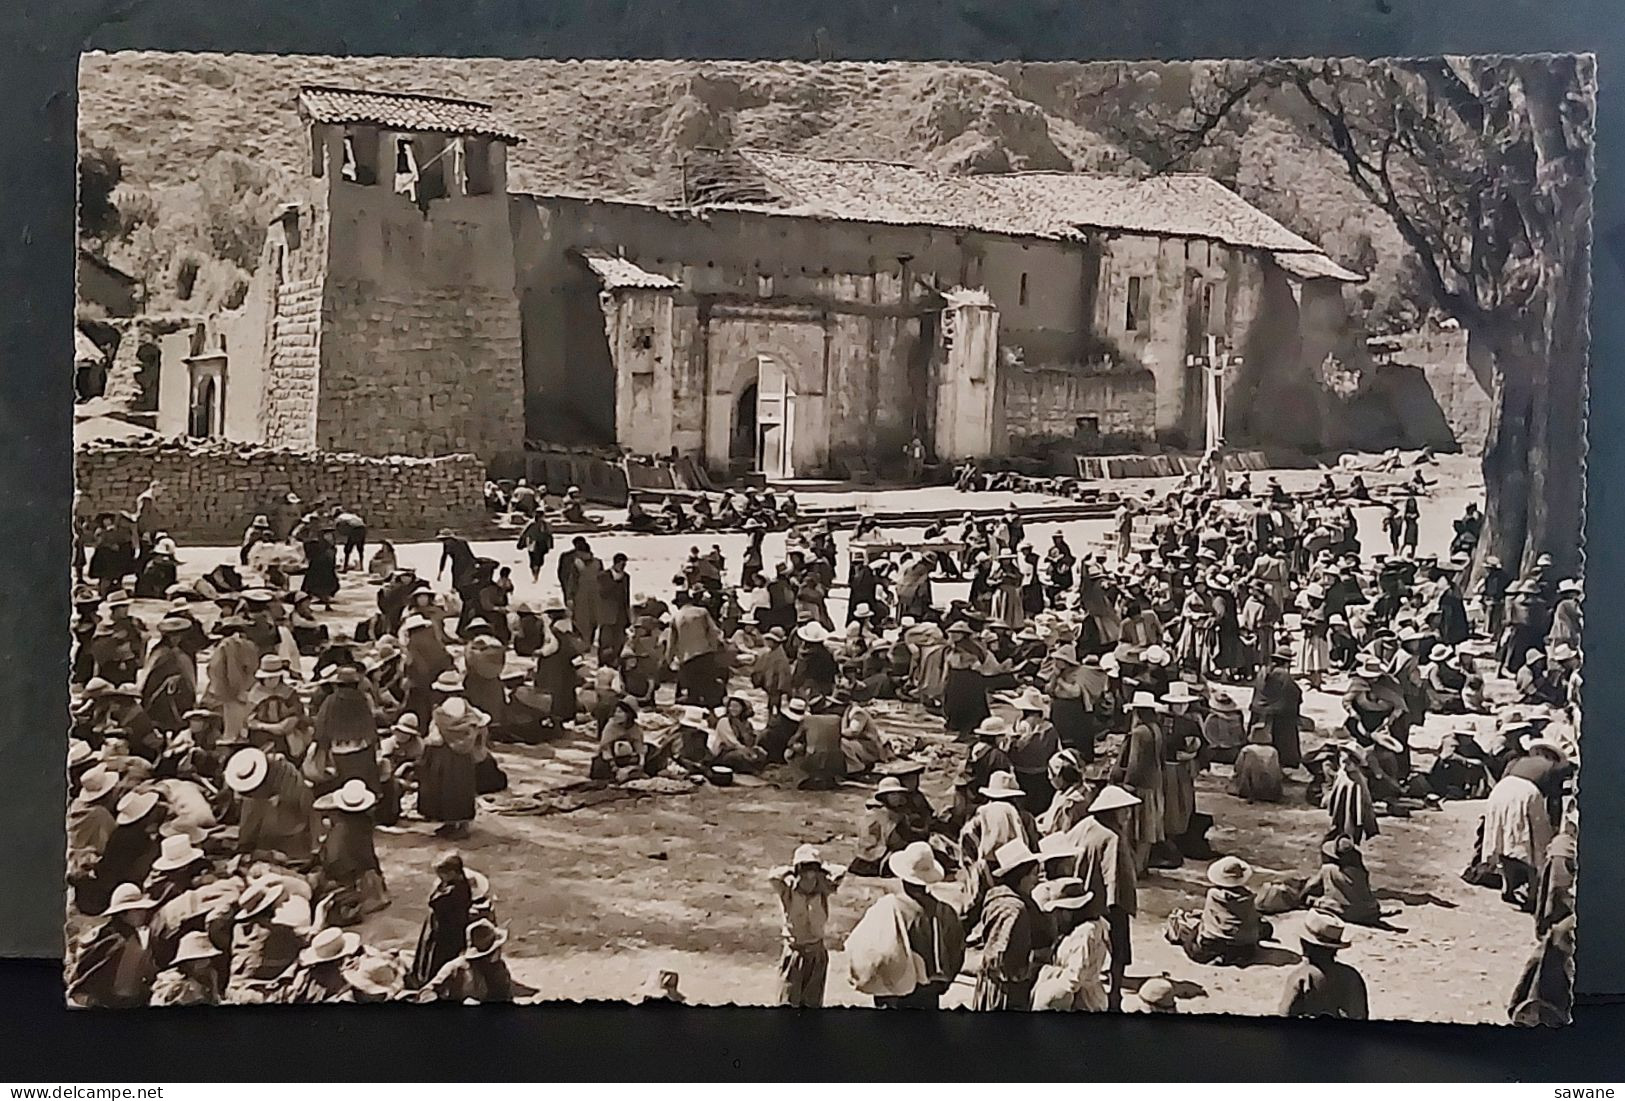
[(291, 278), (422, 371), (1466, 403), (210, 491), (1046, 402)]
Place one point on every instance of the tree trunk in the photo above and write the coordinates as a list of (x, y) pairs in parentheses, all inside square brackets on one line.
[(1508, 456), (1534, 457)]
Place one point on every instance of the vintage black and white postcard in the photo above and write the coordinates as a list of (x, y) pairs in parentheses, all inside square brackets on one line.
[(1094, 537)]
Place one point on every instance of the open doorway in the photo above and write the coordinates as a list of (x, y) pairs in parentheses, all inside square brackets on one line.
[(743, 441), (205, 400)]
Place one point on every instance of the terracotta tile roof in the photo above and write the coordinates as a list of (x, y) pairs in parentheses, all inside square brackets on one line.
[(403, 111), (616, 273), (1052, 205)]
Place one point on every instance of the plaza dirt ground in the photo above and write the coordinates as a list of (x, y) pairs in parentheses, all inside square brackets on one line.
[(596, 898)]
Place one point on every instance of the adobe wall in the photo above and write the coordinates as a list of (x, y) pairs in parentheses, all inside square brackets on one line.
[(1171, 329), (1046, 402), (860, 277), (210, 491)]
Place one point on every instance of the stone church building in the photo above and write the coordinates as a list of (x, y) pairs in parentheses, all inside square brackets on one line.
[(788, 315)]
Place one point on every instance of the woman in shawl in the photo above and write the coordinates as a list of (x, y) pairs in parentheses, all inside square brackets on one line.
[(861, 743), (1223, 731), (1101, 629), (349, 859), (555, 674), (445, 931), (276, 715), (928, 668), (168, 677), (964, 693), (425, 658), (321, 567), (346, 731), (1315, 653), (999, 819), (1567, 617), (1228, 652), (1518, 819), (914, 588), (446, 777), (381, 566), (1342, 887), (1073, 980), (1182, 745), (1016, 936), (1348, 799), (1139, 768), (1276, 703), (1073, 794), (1228, 930), (1074, 692), (484, 657), (1258, 777)]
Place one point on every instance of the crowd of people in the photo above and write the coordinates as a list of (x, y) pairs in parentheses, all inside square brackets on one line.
[(229, 769)]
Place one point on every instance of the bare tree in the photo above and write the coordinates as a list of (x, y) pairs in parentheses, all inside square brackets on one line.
[(1484, 165)]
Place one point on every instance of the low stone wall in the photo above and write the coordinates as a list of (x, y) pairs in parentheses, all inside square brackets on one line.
[(210, 491)]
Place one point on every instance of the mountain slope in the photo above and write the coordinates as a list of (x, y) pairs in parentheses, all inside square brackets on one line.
[(210, 143)]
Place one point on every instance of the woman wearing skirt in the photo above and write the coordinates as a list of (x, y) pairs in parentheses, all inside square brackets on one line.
[(1518, 824), (1073, 692), (446, 775), (964, 692)]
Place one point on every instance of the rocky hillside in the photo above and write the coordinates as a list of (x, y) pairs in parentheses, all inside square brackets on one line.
[(209, 143)]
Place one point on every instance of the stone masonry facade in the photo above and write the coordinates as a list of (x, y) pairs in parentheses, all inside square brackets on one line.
[(288, 408), (210, 491), (1046, 402), (420, 371)]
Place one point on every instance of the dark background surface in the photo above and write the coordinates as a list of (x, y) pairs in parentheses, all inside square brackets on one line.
[(38, 57)]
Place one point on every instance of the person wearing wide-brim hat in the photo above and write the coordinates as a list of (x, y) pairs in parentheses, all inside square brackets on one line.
[(479, 974), (115, 968), (179, 864), (1071, 980), (1322, 985), (1106, 866), (320, 977), (276, 812), (986, 757), (964, 686), (803, 888), (1228, 930), (277, 719), (263, 948), (1223, 729), (374, 977), (899, 929), (448, 773), (349, 859), (1000, 817), (1014, 931), (1031, 745), (1140, 766), (193, 976)]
